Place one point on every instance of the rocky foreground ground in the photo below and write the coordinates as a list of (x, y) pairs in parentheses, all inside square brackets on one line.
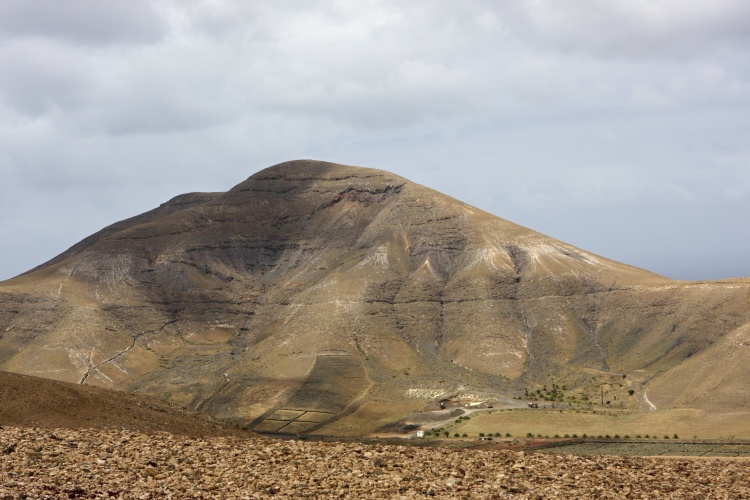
[(95, 463)]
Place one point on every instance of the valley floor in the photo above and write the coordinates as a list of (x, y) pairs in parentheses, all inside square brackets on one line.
[(96, 463)]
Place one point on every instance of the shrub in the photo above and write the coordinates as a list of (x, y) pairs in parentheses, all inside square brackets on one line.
[(666, 436), (567, 435), (507, 434), (538, 435), (626, 436), (463, 435), (481, 434), (557, 435), (675, 437), (639, 436), (529, 435), (584, 436), (456, 435), (498, 434), (575, 436), (631, 392), (646, 436), (599, 437), (608, 436)]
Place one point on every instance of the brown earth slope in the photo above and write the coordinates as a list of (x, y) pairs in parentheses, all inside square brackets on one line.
[(314, 290), (37, 402)]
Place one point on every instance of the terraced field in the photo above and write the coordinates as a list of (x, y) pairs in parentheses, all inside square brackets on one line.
[(334, 384)]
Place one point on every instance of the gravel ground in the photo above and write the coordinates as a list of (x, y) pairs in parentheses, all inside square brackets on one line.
[(95, 463)]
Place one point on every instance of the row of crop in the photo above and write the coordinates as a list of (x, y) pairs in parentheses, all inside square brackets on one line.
[(440, 432)]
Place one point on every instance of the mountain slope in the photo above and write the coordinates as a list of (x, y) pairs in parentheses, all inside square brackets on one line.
[(245, 302), (36, 402)]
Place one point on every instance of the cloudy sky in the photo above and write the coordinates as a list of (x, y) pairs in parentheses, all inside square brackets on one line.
[(621, 127)]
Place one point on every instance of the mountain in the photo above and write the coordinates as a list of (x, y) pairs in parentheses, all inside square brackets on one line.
[(313, 293)]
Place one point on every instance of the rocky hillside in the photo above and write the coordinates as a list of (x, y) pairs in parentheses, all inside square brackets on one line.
[(313, 291), (122, 464)]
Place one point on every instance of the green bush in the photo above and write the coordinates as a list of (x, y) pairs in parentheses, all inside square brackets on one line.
[(456, 435), (675, 437), (507, 434)]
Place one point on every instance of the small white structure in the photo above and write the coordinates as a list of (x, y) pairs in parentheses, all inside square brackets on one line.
[(420, 434)]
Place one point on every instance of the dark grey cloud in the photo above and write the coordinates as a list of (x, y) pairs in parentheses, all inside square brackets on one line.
[(612, 125), (83, 21)]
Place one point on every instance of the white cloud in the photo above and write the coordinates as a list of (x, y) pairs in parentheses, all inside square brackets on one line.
[(635, 29)]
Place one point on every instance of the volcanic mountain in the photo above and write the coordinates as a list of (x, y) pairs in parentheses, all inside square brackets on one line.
[(313, 292)]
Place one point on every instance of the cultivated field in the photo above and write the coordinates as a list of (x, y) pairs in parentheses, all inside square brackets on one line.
[(653, 448), (685, 423)]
